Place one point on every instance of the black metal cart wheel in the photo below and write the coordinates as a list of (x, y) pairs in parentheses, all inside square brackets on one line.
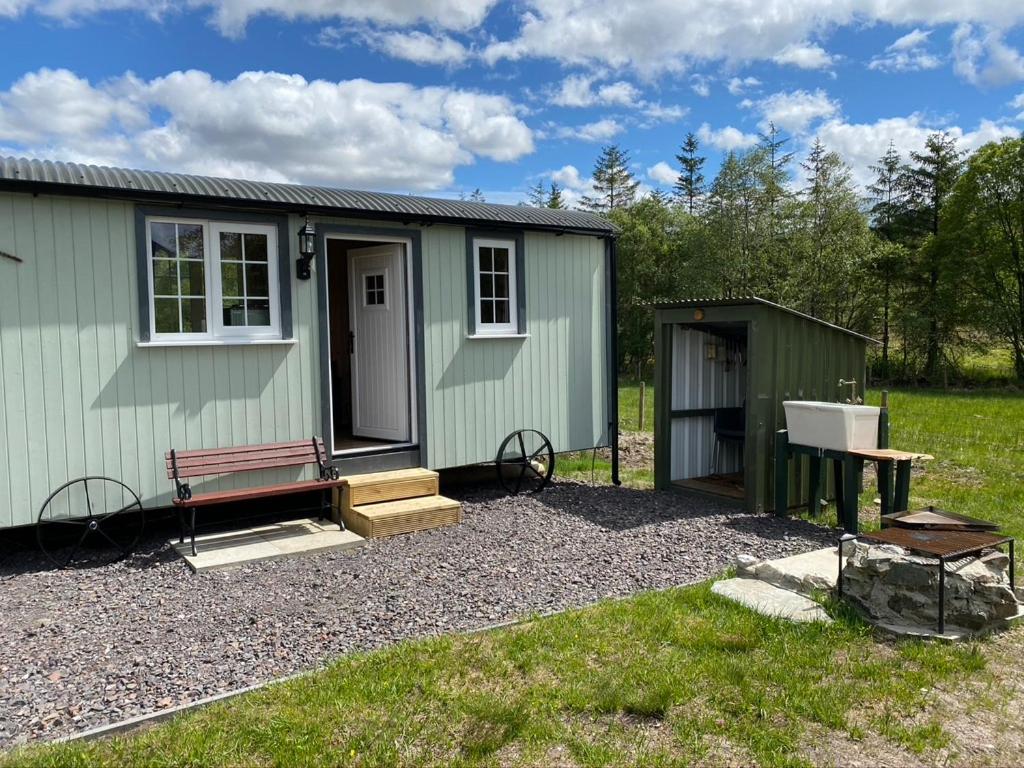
[(92, 520), (525, 461)]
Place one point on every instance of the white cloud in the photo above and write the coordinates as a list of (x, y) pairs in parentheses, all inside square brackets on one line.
[(981, 57), (662, 173), (656, 113), (794, 111), (657, 36), (232, 16), (738, 85), (700, 85), (913, 39), (908, 53), (415, 46), (803, 55), (862, 144), (574, 186), (599, 130), (727, 139), (578, 91), (264, 125)]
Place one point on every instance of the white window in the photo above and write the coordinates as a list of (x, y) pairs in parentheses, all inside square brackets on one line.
[(212, 280), (494, 268), (374, 294)]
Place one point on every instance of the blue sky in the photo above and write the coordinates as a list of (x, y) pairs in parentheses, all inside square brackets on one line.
[(444, 96)]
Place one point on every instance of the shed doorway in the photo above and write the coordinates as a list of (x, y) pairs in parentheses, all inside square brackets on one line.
[(371, 365), (709, 413)]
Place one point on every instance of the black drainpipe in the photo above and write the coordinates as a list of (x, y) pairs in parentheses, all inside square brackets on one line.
[(613, 356)]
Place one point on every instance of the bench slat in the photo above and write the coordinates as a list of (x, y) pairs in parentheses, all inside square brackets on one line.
[(195, 452), (242, 466), (242, 494), (243, 458), (238, 458)]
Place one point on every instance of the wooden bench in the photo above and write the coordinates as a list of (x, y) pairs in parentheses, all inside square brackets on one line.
[(182, 465)]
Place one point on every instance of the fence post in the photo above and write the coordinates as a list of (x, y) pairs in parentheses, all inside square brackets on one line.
[(643, 399)]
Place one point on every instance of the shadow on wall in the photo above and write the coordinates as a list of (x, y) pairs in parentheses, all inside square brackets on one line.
[(190, 378)]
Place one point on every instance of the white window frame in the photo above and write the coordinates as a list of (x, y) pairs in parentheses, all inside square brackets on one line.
[(496, 329), (216, 331), (384, 305), (272, 331)]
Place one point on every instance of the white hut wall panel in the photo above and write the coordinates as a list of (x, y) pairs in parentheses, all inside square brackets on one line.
[(77, 394), (698, 382)]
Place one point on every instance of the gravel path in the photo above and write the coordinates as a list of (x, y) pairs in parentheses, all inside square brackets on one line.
[(89, 647)]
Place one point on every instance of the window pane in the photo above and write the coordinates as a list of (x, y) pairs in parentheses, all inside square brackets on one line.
[(166, 315), (256, 280), (162, 235), (486, 286), (501, 311), (259, 312), (487, 311), (165, 277), (230, 246), (193, 316), (485, 260), (190, 241), (193, 280), (231, 279), (501, 259), (501, 286), (255, 247), (234, 312)]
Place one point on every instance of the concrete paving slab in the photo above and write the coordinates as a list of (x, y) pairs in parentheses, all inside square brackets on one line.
[(770, 600), (806, 573), (291, 538)]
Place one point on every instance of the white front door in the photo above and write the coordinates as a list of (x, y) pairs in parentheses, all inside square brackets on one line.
[(380, 351)]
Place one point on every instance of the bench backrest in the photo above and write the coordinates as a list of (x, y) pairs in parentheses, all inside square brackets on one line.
[(245, 458)]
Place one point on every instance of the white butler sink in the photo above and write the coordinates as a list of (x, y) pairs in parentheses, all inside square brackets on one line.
[(836, 426)]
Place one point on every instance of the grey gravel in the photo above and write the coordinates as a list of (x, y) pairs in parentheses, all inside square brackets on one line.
[(88, 647)]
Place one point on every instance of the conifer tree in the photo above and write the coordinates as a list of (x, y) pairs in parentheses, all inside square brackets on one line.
[(537, 195), (554, 198), (614, 184), (689, 186)]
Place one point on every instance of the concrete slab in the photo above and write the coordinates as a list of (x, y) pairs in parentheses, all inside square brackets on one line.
[(292, 538), (770, 600), (806, 573)]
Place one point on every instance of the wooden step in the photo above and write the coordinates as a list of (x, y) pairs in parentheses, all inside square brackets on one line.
[(387, 486), (389, 518)]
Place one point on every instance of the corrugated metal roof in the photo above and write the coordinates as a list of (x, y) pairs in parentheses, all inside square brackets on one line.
[(739, 301), (177, 186)]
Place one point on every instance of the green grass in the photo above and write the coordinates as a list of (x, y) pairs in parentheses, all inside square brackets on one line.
[(977, 439), (629, 406), (663, 678)]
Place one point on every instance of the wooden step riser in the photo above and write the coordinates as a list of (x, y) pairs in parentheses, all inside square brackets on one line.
[(389, 491), (375, 529)]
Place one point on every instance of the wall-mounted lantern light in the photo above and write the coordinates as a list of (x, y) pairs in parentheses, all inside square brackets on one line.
[(307, 250)]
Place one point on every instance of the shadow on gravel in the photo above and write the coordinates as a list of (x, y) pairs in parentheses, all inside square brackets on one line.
[(768, 526), (622, 509)]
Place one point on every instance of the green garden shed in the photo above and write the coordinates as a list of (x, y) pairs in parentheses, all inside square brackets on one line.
[(723, 369)]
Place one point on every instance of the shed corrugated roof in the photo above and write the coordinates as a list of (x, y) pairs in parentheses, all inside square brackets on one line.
[(740, 301), (79, 178)]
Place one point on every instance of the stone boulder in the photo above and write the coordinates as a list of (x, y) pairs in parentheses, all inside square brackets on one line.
[(891, 585)]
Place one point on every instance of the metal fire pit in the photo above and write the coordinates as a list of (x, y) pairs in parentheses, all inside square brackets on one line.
[(933, 519), (943, 545)]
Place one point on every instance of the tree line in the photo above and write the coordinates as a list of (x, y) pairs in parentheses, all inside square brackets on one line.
[(928, 258)]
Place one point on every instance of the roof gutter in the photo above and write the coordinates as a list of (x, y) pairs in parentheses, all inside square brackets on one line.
[(183, 200)]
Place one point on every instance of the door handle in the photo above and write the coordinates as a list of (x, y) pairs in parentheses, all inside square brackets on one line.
[(351, 342)]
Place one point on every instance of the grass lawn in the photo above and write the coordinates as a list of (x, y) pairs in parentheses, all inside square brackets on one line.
[(666, 678)]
